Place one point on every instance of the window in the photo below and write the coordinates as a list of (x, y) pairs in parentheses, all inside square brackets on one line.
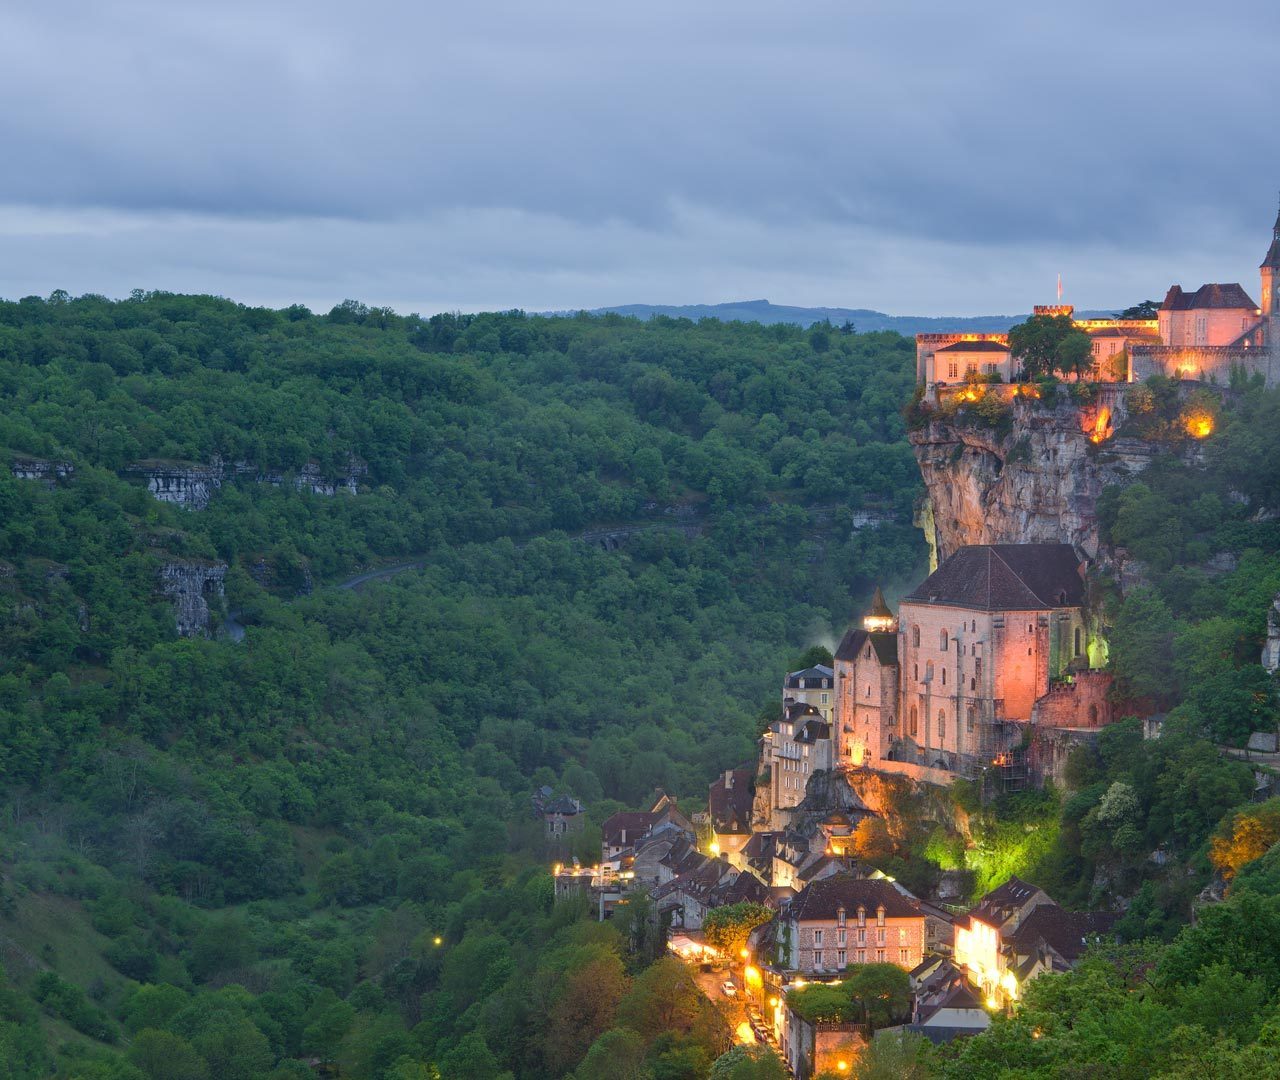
[(817, 959), (973, 625), (868, 689), (868, 652), (880, 920), (928, 671), (825, 698), (902, 936), (973, 685), (944, 676), (942, 725), (977, 665), (840, 920), (904, 956), (817, 938), (917, 672), (879, 956), (842, 958), (1077, 641), (969, 718), (915, 721), (862, 937), (943, 641), (953, 370), (862, 916), (915, 636), (842, 937), (862, 956)]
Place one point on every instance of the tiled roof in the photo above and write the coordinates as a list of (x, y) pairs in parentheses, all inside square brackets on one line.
[(1006, 577), (821, 899), (1066, 932), (1229, 296), (974, 346), (1003, 899), (818, 673), (562, 804), (633, 822), (885, 644)]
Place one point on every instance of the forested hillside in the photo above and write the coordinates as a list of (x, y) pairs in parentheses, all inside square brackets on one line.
[(228, 858)]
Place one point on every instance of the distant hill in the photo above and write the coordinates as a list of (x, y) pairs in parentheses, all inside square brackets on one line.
[(863, 319)]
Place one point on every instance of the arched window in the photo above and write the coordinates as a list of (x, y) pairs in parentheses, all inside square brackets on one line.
[(928, 671), (944, 676), (943, 640), (915, 636)]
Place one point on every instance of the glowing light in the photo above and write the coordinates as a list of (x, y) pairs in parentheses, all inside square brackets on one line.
[(557, 868), (1101, 426), (745, 954), (799, 984), (843, 1066), (713, 848), (437, 941), (773, 1001), (1198, 424), (1010, 985), (744, 1034), (752, 976), (992, 1003)]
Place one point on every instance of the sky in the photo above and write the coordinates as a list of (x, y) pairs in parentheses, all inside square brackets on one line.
[(917, 158)]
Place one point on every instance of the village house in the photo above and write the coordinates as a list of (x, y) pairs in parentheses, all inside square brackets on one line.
[(730, 804), (791, 751), (845, 919), (1017, 932), (945, 1005), (562, 815), (811, 686)]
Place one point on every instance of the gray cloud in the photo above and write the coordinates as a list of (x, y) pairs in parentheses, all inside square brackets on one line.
[(933, 157)]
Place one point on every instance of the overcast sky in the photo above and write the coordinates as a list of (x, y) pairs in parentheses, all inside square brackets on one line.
[(917, 158)]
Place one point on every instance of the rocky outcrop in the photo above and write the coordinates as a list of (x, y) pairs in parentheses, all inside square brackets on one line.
[(191, 485), (182, 483), (1036, 481), (190, 584), (1271, 650), (42, 470)]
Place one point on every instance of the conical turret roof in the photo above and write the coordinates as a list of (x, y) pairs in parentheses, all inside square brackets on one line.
[(1273, 252), (878, 607)]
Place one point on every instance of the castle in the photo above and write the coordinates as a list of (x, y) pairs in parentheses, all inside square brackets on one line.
[(1203, 335)]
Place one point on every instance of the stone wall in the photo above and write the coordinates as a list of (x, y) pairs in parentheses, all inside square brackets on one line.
[(1202, 362), (1083, 703)]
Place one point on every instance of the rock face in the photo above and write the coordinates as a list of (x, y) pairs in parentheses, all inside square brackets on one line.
[(189, 583), (191, 485), (1039, 482), (42, 470), (1271, 650)]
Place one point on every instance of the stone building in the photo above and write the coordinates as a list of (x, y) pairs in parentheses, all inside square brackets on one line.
[(791, 751), (813, 686), (990, 642), (844, 919), (1204, 334)]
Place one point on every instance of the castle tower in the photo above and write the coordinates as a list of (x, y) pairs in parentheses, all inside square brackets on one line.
[(1270, 271)]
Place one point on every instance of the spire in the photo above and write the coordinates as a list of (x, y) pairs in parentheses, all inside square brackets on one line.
[(879, 617), (1272, 259)]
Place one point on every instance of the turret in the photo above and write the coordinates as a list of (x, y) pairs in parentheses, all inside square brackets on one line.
[(1270, 270), (879, 618)]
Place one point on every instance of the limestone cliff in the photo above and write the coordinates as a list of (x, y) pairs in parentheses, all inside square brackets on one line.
[(190, 584), (191, 485), (1036, 480)]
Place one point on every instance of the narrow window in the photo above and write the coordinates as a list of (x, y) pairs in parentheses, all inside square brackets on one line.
[(1077, 641), (915, 636)]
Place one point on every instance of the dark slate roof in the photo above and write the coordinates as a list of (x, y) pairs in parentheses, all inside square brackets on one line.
[(795, 712), (1006, 577), (885, 644), (1273, 252), (813, 730), (1004, 899), (562, 804), (1229, 296), (1066, 932), (817, 673), (974, 346), (821, 899), (730, 806)]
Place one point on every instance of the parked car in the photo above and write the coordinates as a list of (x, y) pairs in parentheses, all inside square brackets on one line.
[(729, 989)]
